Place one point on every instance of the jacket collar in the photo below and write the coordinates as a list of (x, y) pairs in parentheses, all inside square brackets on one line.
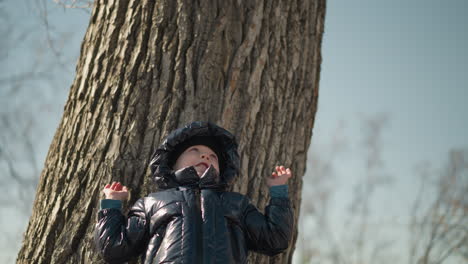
[(188, 177)]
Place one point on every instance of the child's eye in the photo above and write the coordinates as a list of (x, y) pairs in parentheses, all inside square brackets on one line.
[(214, 156)]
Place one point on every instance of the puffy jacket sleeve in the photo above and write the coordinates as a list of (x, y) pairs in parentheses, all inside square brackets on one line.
[(119, 238), (270, 233)]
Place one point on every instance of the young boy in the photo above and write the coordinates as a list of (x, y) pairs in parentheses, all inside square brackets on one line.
[(193, 219)]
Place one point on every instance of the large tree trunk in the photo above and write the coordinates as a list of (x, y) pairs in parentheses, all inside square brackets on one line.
[(147, 67)]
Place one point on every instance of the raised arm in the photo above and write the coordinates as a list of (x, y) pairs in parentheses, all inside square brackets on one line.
[(119, 238), (271, 233)]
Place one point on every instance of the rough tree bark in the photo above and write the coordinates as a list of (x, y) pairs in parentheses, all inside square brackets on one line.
[(147, 67)]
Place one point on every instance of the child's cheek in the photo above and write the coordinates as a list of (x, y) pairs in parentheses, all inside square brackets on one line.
[(192, 160)]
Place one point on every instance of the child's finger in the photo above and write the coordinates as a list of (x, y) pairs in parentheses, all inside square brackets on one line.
[(279, 170), (113, 185), (107, 186), (118, 186), (274, 175)]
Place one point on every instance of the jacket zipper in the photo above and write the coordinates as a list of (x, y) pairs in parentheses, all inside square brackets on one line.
[(198, 202)]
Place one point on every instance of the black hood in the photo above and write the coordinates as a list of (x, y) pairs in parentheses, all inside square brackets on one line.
[(161, 171)]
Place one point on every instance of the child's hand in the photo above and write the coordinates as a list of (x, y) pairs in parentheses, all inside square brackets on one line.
[(116, 191), (280, 177)]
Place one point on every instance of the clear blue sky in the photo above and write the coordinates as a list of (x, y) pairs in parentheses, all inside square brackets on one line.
[(407, 58), (404, 58)]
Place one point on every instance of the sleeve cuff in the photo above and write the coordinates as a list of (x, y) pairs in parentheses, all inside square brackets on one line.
[(111, 204), (280, 191)]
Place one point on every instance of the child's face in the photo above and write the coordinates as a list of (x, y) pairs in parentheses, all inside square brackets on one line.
[(199, 156)]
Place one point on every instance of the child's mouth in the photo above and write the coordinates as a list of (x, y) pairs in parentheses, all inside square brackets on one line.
[(203, 164)]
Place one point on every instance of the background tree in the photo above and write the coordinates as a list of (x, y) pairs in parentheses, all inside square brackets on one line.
[(147, 67), (440, 228), (353, 238), (334, 230), (32, 77)]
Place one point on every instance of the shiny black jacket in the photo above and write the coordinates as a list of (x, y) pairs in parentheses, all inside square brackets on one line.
[(193, 219)]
